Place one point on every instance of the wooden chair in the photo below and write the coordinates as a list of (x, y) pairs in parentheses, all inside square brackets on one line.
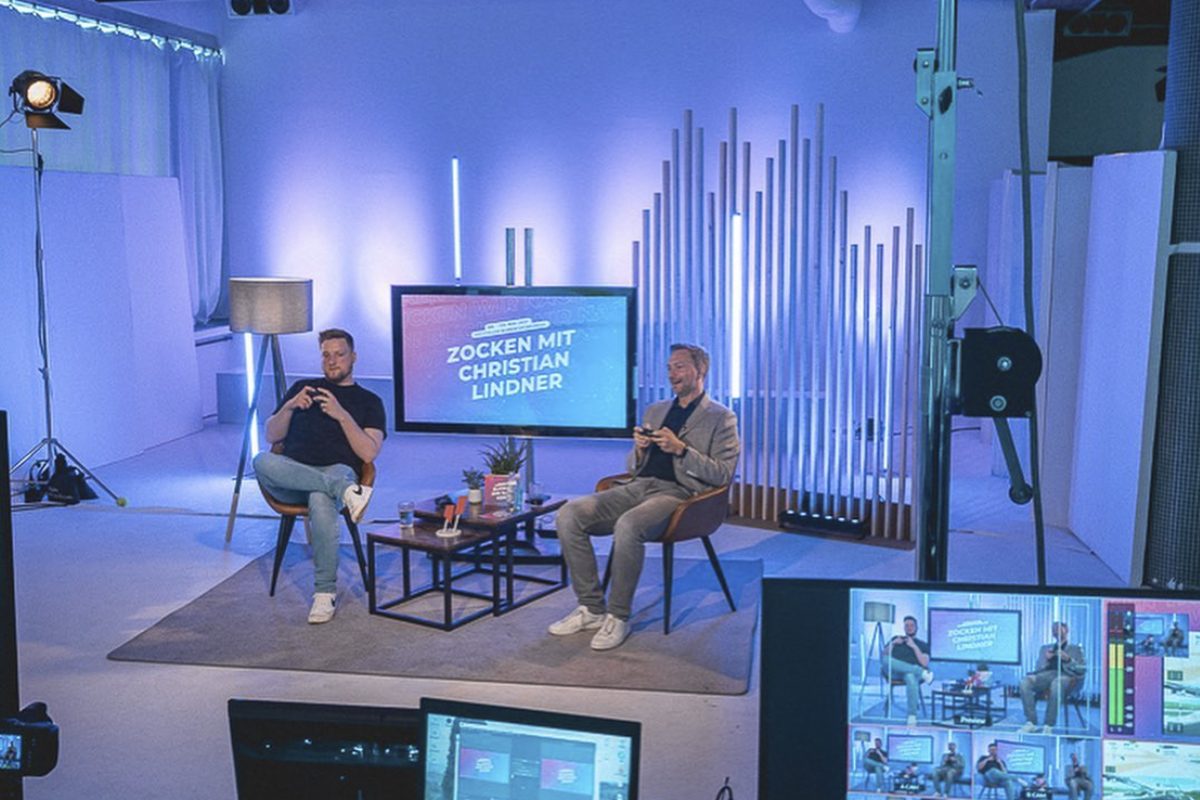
[(696, 518), (289, 512)]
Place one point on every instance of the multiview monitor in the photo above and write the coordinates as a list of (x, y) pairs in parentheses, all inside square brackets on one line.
[(885, 679), (286, 750), (481, 752), (519, 361)]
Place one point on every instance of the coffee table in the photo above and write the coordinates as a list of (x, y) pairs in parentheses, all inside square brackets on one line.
[(485, 542), (972, 708)]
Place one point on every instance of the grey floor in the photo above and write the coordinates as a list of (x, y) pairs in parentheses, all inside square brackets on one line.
[(90, 577)]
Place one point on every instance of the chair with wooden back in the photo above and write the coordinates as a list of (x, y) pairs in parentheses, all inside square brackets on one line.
[(697, 517), (289, 512)]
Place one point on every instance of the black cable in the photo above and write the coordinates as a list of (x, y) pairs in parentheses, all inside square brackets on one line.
[(988, 297), (1027, 220), (726, 791)]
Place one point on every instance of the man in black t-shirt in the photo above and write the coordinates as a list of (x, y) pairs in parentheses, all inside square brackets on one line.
[(995, 772), (907, 658), (329, 428), (876, 763)]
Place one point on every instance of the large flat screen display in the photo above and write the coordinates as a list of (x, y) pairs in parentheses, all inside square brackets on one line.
[(481, 752), (524, 361), (1038, 693)]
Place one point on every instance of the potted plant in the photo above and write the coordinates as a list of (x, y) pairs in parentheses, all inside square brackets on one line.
[(473, 478), (504, 461), (504, 458)]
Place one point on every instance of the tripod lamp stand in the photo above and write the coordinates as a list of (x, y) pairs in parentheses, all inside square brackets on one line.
[(879, 613), (41, 98), (269, 307)]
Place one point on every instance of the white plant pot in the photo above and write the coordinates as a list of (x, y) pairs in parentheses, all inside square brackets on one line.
[(475, 496)]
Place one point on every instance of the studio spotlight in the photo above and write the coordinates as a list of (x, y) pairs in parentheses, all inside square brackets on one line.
[(39, 96)]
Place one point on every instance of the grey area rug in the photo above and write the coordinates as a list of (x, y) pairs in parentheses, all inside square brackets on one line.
[(236, 624)]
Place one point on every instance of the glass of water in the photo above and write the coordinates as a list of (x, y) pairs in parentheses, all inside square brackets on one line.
[(407, 513)]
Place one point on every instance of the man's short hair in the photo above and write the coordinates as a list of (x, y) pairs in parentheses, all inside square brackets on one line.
[(335, 333), (910, 616), (699, 356)]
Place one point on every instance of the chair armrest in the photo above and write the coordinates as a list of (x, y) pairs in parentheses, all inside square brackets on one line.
[(698, 516), (608, 481)]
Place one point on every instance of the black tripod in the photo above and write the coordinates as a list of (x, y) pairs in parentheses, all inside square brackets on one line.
[(54, 448)]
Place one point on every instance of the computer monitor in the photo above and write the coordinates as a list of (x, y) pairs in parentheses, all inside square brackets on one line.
[(515, 360), (310, 751), (482, 752), (1128, 672)]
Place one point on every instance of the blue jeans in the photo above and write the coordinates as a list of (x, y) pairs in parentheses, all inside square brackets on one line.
[(995, 777), (910, 674), (322, 489), (879, 770), (634, 513)]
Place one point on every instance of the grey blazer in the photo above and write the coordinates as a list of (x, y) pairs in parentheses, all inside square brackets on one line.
[(712, 438)]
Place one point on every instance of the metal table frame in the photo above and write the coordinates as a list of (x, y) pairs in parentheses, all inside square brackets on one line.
[(486, 541)]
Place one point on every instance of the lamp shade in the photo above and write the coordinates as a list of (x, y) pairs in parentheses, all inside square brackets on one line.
[(270, 305), (878, 612)]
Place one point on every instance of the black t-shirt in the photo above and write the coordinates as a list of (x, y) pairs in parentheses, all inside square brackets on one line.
[(316, 438), (902, 652)]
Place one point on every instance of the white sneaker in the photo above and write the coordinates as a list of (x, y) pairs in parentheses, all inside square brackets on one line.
[(578, 620), (912, 720), (927, 676), (611, 634), (1029, 727), (355, 499), (1047, 729), (323, 606)]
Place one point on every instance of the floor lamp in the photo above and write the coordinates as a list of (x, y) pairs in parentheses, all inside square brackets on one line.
[(39, 97), (879, 613), (268, 307)]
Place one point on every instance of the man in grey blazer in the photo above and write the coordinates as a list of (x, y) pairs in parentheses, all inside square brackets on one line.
[(683, 447)]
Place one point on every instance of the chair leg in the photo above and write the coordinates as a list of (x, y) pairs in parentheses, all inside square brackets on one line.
[(358, 549), (668, 556), (716, 564), (286, 523)]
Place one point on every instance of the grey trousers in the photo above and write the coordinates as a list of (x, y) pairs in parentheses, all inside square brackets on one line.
[(1031, 685), (633, 513)]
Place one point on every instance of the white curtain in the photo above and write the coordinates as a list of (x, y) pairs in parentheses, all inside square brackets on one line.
[(150, 108), (196, 156)]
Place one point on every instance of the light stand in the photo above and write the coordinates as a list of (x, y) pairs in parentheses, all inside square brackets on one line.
[(878, 613), (937, 87), (270, 307), (38, 97)]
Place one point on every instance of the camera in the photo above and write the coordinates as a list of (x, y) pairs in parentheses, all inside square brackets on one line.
[(28, 743)]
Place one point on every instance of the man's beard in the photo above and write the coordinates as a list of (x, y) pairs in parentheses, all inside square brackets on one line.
[(336, 377)]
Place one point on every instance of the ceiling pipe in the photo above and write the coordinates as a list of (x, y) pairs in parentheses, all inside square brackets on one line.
[(842, 15)]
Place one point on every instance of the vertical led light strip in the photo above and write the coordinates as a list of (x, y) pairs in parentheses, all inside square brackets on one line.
[(457, 222), (737, 230), (248, 349)]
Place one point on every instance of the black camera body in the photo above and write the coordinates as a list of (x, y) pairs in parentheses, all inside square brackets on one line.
[(28, 743)]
